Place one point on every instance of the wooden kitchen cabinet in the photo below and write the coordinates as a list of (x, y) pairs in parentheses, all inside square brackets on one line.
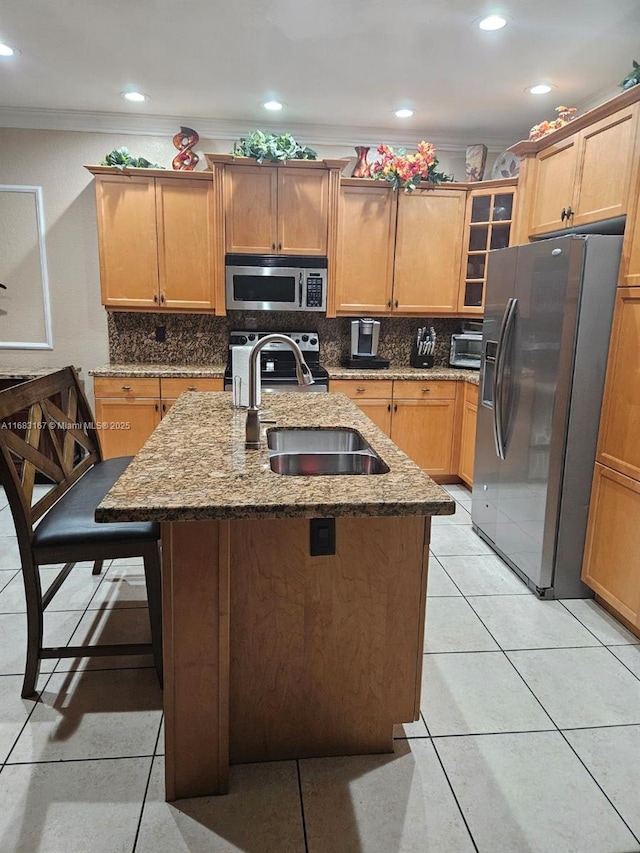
[(419, 416), (173, 388), (128, 409), (276, 210), (581, 173), (428, 251), (619, 437), (488, 220), (468, 433), (610, 564), (366, 246), (155, 240)]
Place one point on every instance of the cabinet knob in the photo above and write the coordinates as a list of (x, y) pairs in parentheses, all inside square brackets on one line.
[(126, 387), (395, 407), (389, 304), (570, 212), (164, 407), (426, 390), (191, 388), (155, 297), (162, 297), (563, 214), (279, 246), (396, 303), (273, 247), (360, 390), (157, 407), (389, 407)]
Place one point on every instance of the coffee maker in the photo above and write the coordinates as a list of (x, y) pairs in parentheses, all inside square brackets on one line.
[(364, 345)]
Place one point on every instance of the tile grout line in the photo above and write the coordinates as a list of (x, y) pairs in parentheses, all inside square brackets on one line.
[(613, 806), (36, 701), (146, 788), (579, 621), (635, 675), (304, 823), (455, 797)]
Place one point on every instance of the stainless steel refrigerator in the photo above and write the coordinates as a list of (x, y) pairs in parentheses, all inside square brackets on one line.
[(546, 331)]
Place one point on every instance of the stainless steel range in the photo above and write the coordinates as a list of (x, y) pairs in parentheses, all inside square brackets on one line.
[(277, 362)]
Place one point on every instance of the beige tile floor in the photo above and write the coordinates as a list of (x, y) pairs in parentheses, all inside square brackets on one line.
[(529, 738)]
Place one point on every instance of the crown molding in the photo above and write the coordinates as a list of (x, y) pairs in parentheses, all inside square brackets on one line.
[(224, 129)]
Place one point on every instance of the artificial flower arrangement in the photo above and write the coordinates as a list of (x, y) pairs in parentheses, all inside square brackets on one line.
[(565, 115), (406, 171)]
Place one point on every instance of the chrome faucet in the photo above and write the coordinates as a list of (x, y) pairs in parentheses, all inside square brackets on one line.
[(252, 437)]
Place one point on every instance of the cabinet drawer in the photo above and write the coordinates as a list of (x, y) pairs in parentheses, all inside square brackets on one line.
[(471, 393), (172, 388), (424, 390), (126, 386), (367, 389)]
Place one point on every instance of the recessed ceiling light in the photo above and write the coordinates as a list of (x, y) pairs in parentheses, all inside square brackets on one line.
[(403, 113), (136, 97), (539, 89), (5, 50), (273, 105), (492, 22)]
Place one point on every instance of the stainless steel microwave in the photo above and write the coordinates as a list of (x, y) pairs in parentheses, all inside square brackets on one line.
[(275, 283)]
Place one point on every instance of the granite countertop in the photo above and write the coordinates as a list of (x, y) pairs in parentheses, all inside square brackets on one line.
[(27, 372), (400, 373), (195, 466), (146, 371), (164, 371)]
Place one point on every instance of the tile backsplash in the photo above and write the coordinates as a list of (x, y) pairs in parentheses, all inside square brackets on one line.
[(203, 338)]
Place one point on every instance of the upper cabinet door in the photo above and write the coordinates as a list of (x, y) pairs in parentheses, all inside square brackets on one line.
[(185, 243), (428, 251), (553, 192), (251, 204), (605, 159), (127, 243), (366, 242), (303, 211)]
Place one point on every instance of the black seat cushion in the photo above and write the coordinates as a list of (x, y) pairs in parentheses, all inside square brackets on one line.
[(70, 521)]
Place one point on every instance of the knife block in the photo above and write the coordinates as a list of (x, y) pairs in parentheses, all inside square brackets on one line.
[(416, 360)]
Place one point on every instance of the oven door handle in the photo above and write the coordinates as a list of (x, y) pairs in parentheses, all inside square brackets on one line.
[(300, 290)]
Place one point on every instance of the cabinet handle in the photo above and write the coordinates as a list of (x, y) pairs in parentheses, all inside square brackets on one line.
[(164, 407), (162, 297), (563, 215), (426, 390), (395, 407), (389, 304), (570, 212), (273, 247), (279, 246), (155, 297), (396, 303), (191, 388), (360, 390), (157, 407), (389, 407), (126, 387)]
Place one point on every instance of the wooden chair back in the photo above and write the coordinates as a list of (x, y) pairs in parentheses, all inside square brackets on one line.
[(46, 426)]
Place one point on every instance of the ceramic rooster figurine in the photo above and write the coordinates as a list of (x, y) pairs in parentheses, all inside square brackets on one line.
[(185, 142)]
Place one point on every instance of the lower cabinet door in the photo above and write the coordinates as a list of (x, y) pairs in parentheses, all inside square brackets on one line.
[(379, 411), (610, 564), (468, 443), (125, 425), (424, 429)]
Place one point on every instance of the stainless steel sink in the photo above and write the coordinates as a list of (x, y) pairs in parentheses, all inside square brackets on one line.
[(317, 464), (338, 440)]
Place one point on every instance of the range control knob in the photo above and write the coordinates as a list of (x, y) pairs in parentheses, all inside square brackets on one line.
[(305, 338), (313, 341), (243, 339), (252, 337)]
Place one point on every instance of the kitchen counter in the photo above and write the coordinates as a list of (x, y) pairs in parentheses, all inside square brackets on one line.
[(195, 467), (274, 650), (26, 373), (187, 371)]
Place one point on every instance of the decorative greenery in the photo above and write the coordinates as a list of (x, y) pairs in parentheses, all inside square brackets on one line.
[(565, 115), (406, 171), (268, 146), (122, 159), (632, 78)]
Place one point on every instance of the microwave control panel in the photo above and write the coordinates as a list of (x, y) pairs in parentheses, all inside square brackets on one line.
[(314, 291)]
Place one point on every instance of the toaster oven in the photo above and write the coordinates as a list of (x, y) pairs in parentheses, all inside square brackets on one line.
[(466, 349)]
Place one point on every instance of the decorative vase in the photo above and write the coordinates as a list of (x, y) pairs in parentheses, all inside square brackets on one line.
[(185, 142), (475, 162), (362, 169)]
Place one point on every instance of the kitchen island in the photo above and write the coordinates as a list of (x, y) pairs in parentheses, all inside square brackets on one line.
[(271, 653)]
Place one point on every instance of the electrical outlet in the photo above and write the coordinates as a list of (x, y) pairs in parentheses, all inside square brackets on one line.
[(161, 334)]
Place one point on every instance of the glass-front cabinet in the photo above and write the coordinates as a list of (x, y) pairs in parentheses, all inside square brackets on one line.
[(488, 226)]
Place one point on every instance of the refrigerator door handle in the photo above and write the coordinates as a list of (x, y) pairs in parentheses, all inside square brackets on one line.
[(498, 376)]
